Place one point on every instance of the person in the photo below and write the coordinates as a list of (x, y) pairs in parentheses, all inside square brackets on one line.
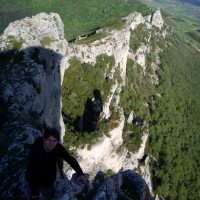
[(41, 171)]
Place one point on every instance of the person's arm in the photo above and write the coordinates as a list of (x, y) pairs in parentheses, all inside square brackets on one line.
[(62, 152)]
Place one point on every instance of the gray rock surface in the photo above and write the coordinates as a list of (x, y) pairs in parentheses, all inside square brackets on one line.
[(30, 84), (123, 185)]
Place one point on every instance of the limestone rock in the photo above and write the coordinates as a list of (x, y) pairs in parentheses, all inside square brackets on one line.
[(157, 19), (104, 154)]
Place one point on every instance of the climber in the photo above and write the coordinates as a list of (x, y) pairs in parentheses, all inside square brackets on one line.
[(41, 171)]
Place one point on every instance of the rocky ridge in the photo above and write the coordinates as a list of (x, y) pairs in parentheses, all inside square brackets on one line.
[(116, 43), (34, 56)]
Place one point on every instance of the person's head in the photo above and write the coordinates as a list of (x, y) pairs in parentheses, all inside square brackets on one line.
[(51, 137)]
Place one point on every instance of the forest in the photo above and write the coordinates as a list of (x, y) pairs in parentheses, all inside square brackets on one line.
[(174, 135)]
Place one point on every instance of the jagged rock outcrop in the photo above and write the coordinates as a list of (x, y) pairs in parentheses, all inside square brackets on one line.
[(33, 57), (123, 185)]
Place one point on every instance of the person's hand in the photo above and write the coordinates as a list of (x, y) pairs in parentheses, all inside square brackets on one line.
[(82, 179)]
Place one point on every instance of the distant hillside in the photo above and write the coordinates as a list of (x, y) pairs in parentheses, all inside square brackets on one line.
[(193, 2), (183, 17)]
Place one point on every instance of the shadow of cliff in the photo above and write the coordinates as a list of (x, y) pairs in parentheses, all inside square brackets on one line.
[(93, 107), (30, 93)]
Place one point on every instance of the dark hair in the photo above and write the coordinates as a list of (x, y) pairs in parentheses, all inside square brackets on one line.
[(51, 132)]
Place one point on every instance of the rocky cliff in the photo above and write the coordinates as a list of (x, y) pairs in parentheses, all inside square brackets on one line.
[(34, 56), (106, 153), (31, 54)]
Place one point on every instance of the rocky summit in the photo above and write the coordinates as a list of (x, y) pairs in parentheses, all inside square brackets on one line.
[(33, 58)]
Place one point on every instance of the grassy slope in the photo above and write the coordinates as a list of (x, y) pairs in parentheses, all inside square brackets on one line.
[(79, 17)]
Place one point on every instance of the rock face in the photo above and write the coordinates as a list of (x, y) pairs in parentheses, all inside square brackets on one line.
[(124, 185), (104, 155), (34, 55), (30, 86), (39, 50)]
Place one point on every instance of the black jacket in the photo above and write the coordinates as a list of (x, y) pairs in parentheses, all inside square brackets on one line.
[(42, 165)]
